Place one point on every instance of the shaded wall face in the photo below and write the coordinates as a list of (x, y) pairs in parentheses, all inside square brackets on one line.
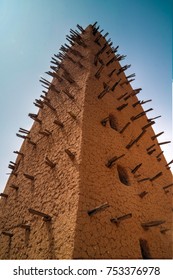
[(96, 236), (76, 185), (53, 191)]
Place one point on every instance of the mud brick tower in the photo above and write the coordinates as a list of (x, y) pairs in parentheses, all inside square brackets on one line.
[(90, 180)]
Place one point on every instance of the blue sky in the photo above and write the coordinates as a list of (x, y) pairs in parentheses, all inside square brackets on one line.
[(32, 30)]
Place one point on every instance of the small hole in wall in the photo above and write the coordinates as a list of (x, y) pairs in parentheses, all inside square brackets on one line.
[(113, 122), (123, 176), (144, 249)]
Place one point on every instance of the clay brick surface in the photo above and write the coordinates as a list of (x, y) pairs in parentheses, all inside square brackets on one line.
[(81, 183)]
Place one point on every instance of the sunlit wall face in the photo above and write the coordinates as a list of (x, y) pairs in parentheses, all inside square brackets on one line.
[(31, 31)]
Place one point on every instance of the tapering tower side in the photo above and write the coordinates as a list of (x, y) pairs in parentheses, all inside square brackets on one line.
[(90, 180), (124, 208), (38, 214)]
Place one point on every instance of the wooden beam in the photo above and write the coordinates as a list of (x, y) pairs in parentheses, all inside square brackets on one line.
[(70, 154), (131, 143), (156, 176), (134, 170), (126, 125), (4, 195), (32, 178), (111, 161), (157, 135), (98, 209), (7, 233), (117, 220), (46, 217), (142, 194), (152, 223)]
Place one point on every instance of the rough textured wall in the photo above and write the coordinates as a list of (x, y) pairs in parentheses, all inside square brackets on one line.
[(76, 185), (96, 236), (54, 191)]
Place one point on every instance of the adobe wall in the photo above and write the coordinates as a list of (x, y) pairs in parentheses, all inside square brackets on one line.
[(74, 186), (96, 237), (55, 191)]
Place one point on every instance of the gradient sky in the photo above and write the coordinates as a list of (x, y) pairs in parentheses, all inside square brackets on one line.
[(31, 31)]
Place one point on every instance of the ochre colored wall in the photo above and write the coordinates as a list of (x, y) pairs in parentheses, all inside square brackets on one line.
[(73, 187)]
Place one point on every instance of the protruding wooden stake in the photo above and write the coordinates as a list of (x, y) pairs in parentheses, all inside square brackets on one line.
[(111, 73), (98, 209), (117, 220), (19, 153), (136, 140), (38, 103), (46, 217), (12, 165), (4, 195), (126, 82), (80, 28), (59, 123), (104, 92), (159, 154), (147, 125), (97, 74), (122, 57), (136, 103), (70, 154), (22, 130), (141, 114), (168, 186), (68, 94), (49, 105), (122, 130), (122, 106), (14, 187), (163, 231), (115, 85), (49, 162), (146, 101), (169, 163), (136, 91), (32, 178), (122, 69), (123, 95), (26, 227), (130, 76), (152, 223), (152, 151), (144, 179), (134, 170), (7, 233), (149, 148), (54, 75), (32, 143), (67, 77), (35, 117), (157, 135), (111, 60), (45, 132), (110, 162), (127, 97), (76, 53), (163, 143), (22, 136), (45, 98), (104, 121), (142, 194), (72, 115), (156, 176), (149, 120)]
